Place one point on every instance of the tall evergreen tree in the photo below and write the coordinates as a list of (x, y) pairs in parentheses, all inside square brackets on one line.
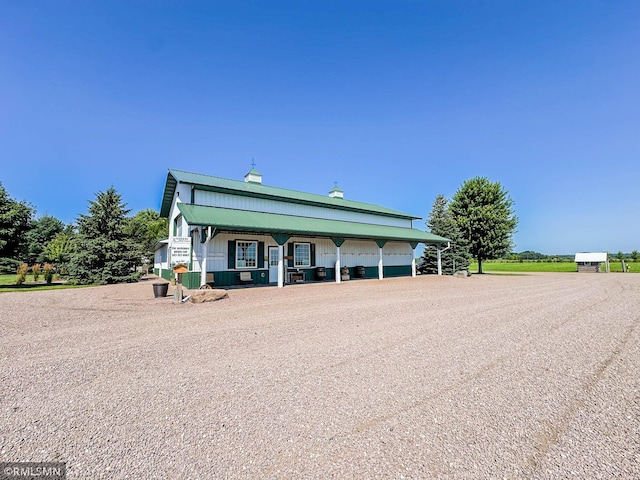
[(15, 222), (441, 222), (42, 231), (104, 252), (484, 212)]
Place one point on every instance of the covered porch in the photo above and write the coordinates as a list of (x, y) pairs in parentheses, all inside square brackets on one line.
[(364, 250)]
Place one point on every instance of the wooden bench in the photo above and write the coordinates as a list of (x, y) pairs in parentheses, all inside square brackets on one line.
[(296, 277), (246, 277)]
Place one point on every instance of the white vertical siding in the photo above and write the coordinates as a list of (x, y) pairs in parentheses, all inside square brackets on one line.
[(218, 251), (352, 252), (365, 253), (238, 202), (161, 258)]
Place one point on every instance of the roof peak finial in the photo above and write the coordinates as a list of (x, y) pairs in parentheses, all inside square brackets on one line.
[(253, 163)]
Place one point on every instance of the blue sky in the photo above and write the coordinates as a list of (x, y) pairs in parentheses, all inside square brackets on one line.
[(397, 101)]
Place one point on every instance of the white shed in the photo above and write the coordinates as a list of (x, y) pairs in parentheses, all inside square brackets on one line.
[(590, 261)]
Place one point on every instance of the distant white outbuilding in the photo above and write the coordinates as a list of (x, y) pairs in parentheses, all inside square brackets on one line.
[(590, 261)]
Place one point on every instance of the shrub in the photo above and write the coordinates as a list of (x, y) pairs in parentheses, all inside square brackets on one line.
[(36, 272), (48, 273), (22, 270), (8, 266)]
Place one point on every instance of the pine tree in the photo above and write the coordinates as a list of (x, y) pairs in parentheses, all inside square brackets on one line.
[(441, 222), (15, 221), (104, 252), (43, 230)]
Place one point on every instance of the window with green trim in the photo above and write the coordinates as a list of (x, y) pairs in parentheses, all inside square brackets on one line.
[(177, 226), (301, 255), (246, 254)]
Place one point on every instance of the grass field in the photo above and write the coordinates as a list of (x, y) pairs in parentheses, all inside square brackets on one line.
[(517, 267), (8, 284)]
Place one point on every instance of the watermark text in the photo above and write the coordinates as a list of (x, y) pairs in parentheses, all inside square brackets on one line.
[(33, 471)]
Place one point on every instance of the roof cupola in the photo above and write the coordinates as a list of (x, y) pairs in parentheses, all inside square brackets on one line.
[(253, 176), (336, 192)]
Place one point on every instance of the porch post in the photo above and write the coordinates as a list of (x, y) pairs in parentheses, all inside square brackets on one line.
[(413, 258), (280, 266), (337, 241), (205, 254), (203, 264), (281, 239), (439, 259), (381, 244)]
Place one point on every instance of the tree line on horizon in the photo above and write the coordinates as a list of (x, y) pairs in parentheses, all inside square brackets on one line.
[(532, 256), (103, 246)]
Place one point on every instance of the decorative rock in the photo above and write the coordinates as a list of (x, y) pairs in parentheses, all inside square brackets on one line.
[(461, 274), (207, 295)]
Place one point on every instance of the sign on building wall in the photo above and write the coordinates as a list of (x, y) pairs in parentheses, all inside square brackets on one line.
[(180, 250)]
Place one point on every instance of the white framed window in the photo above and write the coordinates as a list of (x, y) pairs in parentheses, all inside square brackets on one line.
[(301, 255), (273, 256), (246, 254)]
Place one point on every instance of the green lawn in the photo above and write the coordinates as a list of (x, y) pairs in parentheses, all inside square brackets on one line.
[(8, 284), (515, 267)]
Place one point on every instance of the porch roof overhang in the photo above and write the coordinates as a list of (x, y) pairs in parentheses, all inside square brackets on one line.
[(226, 219), (161, 243)]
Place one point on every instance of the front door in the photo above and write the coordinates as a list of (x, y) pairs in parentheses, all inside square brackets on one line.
[(273, 264)]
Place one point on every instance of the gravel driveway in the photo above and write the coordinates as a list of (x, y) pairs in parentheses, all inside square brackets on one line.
[(493, 376)]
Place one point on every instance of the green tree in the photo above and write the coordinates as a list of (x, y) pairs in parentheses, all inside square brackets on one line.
[(146, 228), (42, 231), (441, 222), (634, 255), (484, 213), (15, 222), (60, 249), (104, 253), (531, 255)]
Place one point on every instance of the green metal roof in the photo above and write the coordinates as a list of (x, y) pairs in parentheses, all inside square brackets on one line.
[(227, 219), (249, 189)]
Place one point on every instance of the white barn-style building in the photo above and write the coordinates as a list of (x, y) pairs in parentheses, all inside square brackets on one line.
[(591, 261), (231, 232)]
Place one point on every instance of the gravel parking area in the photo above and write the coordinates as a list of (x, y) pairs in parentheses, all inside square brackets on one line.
[(493, 376)]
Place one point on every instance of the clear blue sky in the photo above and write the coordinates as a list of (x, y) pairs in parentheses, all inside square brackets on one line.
[(397, 101)]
